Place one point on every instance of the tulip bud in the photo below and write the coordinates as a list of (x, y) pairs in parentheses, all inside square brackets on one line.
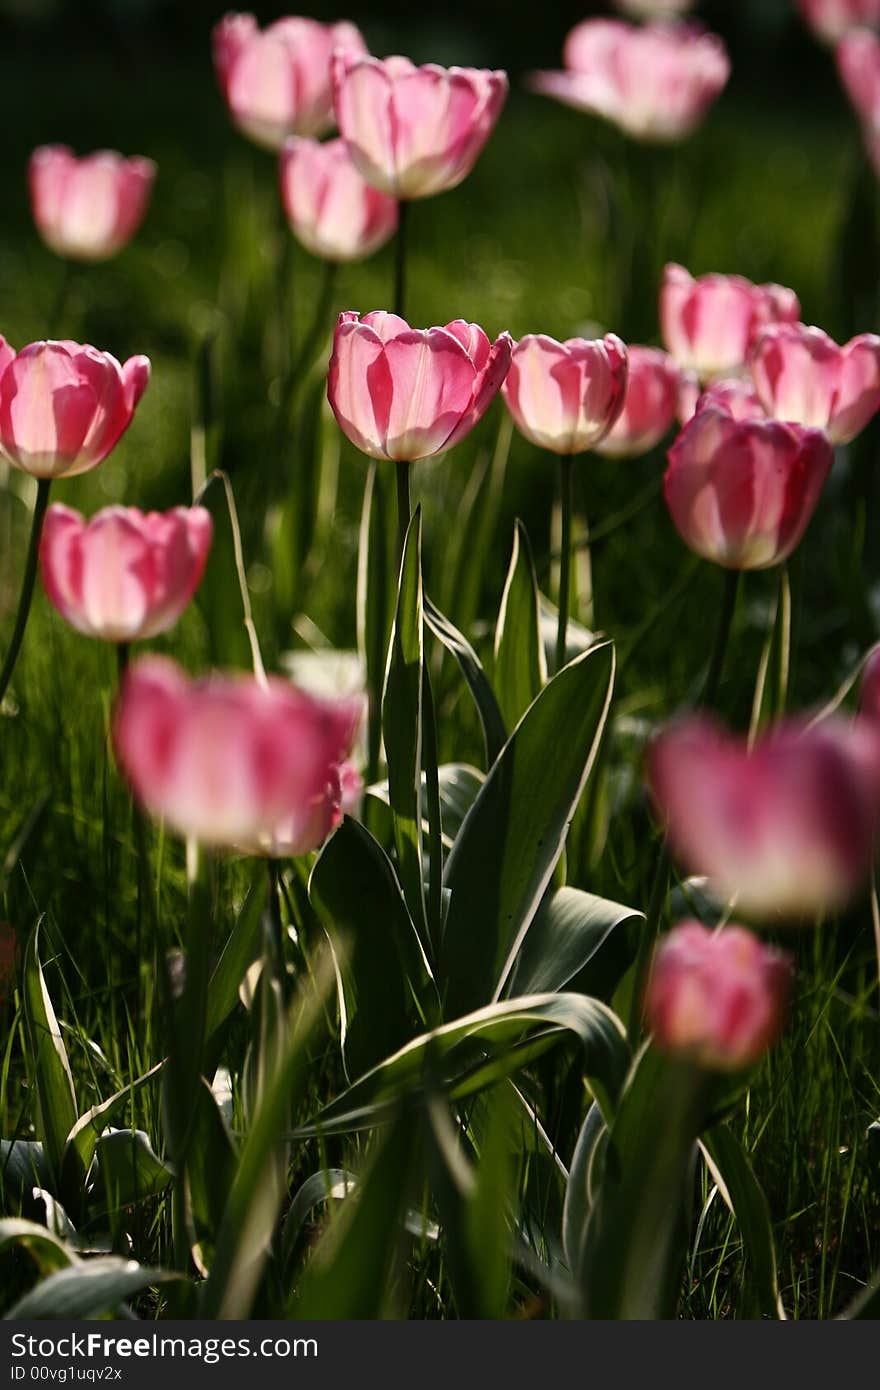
[(331, 209), (404, 393), (124, 575), (650, 404), (63, 406), (742, 492), (801, 374), (276, 81), (717, 998), (830, 20), (565, 397), (414, 132), (88, 209), (709, 324), (735, 396), (788, 827), (656, 83), (230, 761)]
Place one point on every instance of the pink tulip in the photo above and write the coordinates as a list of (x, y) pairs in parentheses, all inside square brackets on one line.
[(718, 999), (788, 826), (276, 81), (408, 393), (710, 324), (88, 209), (656, 83), (830, 20), (411, 131), (334, 212), (124, 575), (565, 397), (742, 492), (650, 404), (801, 374), (858, 62), (735, 395), (300, 834), (230, 761), (63, 406)]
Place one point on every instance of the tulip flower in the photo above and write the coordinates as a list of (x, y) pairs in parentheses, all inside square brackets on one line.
[(276, 81), (331, 209), (649, 407), (801, 374), (230, 761), (63, 406), (124, 575), (717, 998), (734, 395), (414, 131), (300, 834), (788, 826), (406, 393), (830, 20), (858, 62), (566, 397), (656, 83), (709, 324), (88, 209), (741, 492)]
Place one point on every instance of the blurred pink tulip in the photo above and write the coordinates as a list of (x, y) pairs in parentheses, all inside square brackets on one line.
[(650, 404), (333, 211), (408, 393), (565, 397), (412, 131), (735, 395), (830, 20), (276, 81), (64, 406), (718, 999), (656, 83), (709, 324), (858, 62), (232, 762), (88, 209), (300, 834), (742, 492), (124, 575), (801, 374), (655, 9), (788, 826)]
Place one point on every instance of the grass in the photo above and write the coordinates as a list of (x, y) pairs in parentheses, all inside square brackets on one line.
[(528, 243)]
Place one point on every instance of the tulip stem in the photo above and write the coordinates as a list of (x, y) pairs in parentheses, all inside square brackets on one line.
[(725, 624), (400, 261), (273, 904), (566, 468), (404, 511), (27, 584)]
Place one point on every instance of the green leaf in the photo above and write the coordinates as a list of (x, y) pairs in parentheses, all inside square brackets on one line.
[(520, 668), (47, 1250), (867, 1303), (577, 1191), (402, 726), (491, 719), (82, 1139), (473, 1052), (386, 987), (511, 840), (87, 1289), (330, 1184), (375, 601), (744, 1198), (459, 784), (240, 951), (211, 1165), (56, 1098), (22, 1167), (130, 1170), (297, 515), (574, 937)]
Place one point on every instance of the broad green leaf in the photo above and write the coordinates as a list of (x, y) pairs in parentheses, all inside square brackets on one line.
[(475, 1051), (240, 951), (349, 1271), (386, 990), (22, 1167), (575, 940), (577, 1191), (56, 1098), (210, 1166), (129, 1168), (330, 1184), (402, 725), (82, 1139), (47, 1250), (513, 835), (459, 784), (87, 1289), (375, 601), (491, 718), (744, 1198), (520, 670)]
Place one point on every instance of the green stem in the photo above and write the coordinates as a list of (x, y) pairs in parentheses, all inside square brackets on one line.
[(27, 584), (404, 506), (722, 638), (565, 489), (400, 261)]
